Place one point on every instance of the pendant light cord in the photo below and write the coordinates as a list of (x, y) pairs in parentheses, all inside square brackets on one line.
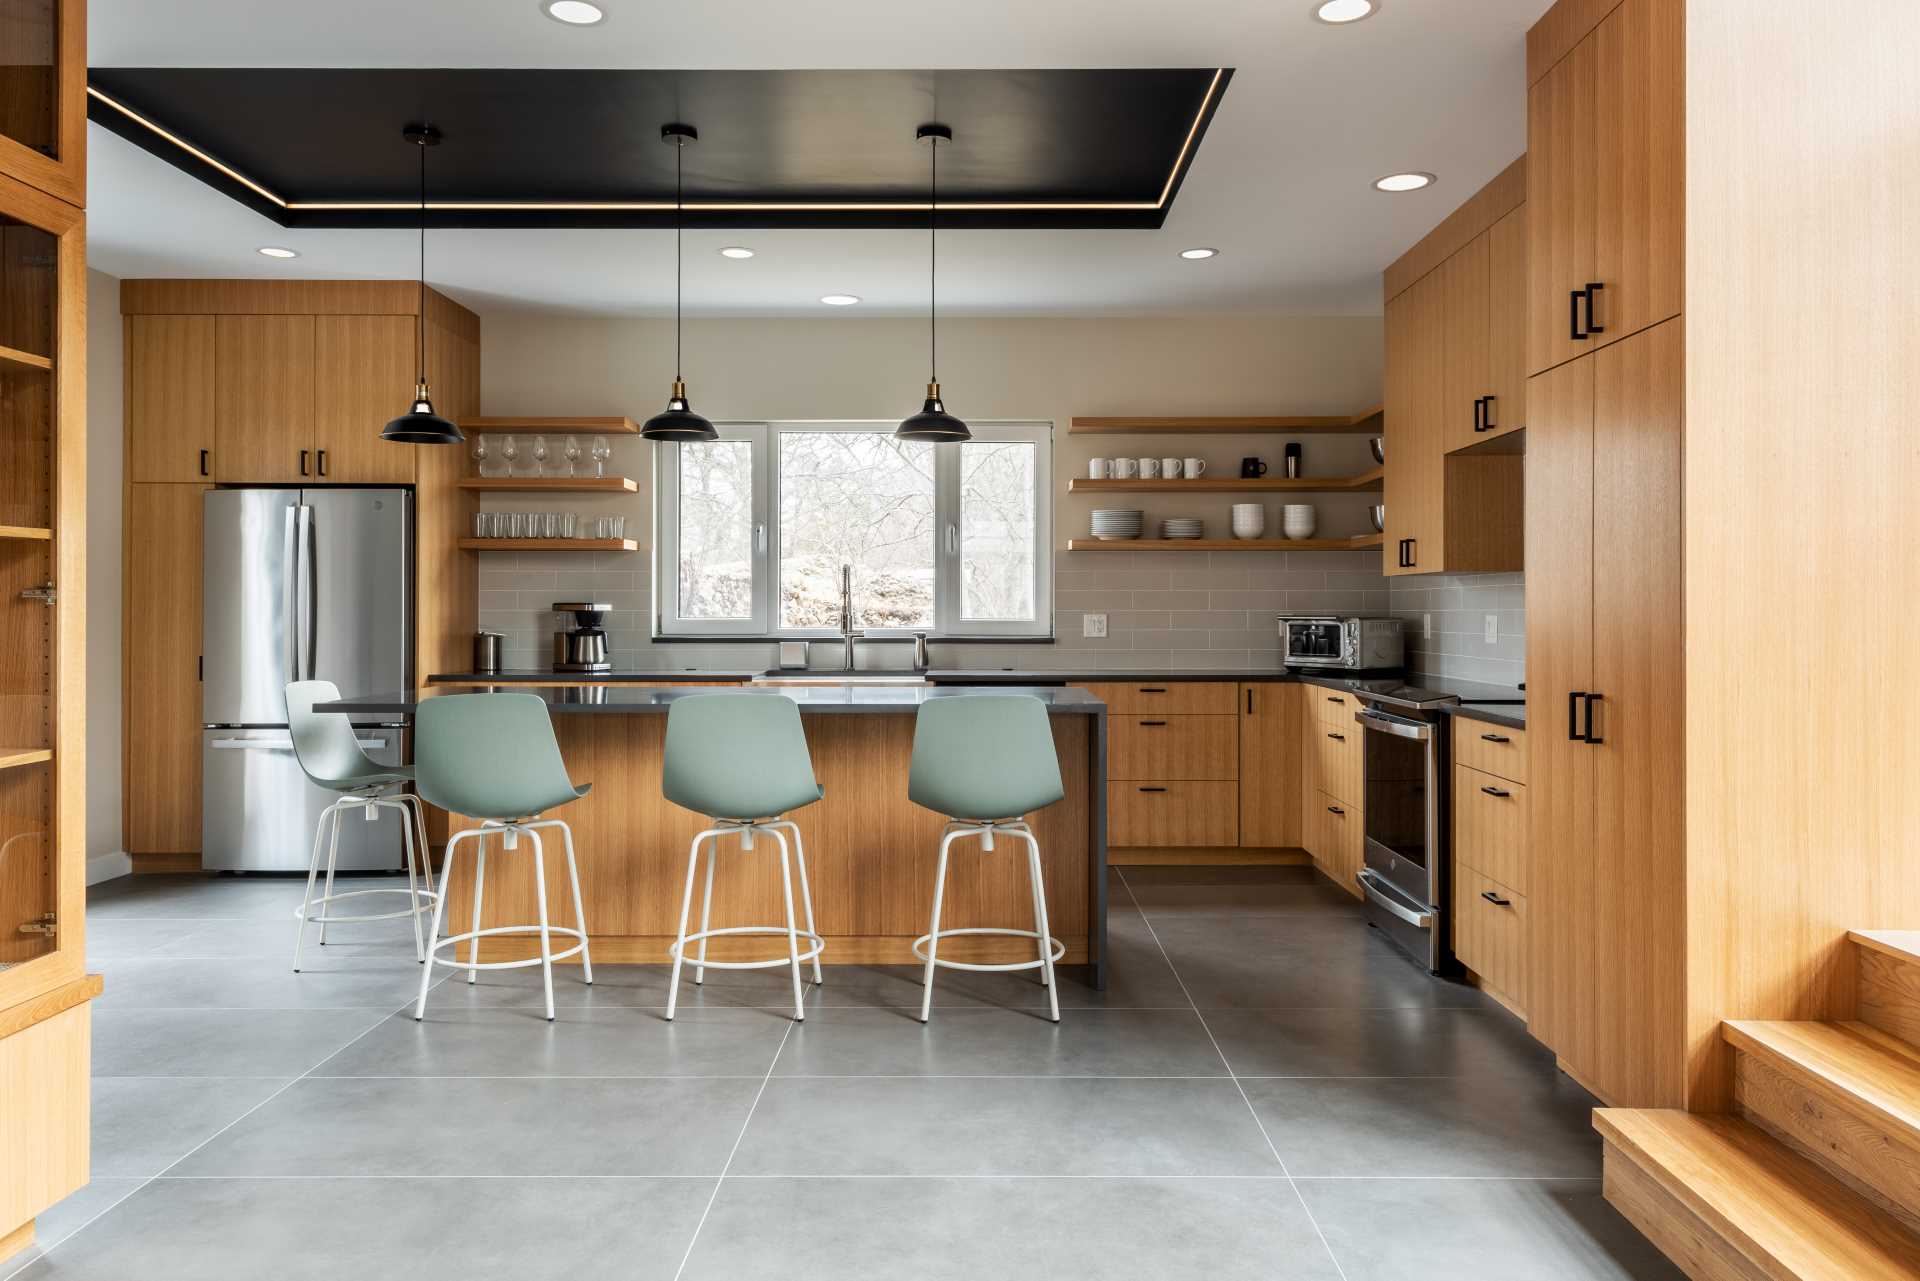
[(679, 156), (933, 268), (420, 336)]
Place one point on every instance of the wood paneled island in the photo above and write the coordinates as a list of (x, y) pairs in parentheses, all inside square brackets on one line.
[(870, 851)]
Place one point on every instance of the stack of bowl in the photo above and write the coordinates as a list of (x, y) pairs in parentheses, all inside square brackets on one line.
[(1113, 523), (1182, 527), (1249, 520)]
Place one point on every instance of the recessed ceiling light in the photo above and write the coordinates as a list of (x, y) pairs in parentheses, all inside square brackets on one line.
[(575, 13), (275, 251), (839, 300), (1198, 253), (1403, 182), (1339, 11), (736, 251)]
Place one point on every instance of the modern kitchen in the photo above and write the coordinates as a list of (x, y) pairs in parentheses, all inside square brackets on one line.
[(1164, 642)]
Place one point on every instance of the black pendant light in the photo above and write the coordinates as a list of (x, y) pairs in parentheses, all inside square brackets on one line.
[(933, 422), (420, 425), (678, 421)]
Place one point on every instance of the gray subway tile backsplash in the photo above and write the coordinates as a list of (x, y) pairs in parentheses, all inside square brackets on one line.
[(1458, 605)]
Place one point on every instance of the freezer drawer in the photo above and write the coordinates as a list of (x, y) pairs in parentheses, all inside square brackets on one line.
[(259, 810)]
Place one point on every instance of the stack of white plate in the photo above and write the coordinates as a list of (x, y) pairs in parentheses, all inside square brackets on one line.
[(1182, 527), (1113, 523)]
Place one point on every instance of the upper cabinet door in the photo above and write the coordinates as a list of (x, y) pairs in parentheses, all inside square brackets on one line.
[(1641, 171), (363, 378), (43, 96), (1416, 480), (263, 400), (170, 415), (1562, 181), (1467, 377), (1506, 408)]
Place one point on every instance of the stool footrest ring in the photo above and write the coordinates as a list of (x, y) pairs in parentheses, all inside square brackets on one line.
[(1058, 949), (434, 957), (818, 945), (427, 898)]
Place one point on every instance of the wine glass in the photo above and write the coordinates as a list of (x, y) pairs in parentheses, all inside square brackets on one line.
[(509, 451), (539, 455), (601, 452), (572, 454), (479, 455)]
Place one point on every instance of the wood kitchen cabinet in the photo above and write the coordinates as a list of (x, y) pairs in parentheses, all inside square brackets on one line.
[(161, 747), (1491, 858), (169, 363), (363, 366), (264, 400), (1604, 756), (1605, 184), (1271, 798), (1415, 380)]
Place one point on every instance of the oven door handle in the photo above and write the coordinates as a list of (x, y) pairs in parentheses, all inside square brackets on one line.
[(1388, 901), (1398, 728)]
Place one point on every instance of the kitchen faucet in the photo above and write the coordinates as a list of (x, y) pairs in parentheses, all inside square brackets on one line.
[(846, 613)]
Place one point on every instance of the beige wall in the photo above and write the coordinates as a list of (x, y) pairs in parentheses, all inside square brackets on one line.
[(105, 449)]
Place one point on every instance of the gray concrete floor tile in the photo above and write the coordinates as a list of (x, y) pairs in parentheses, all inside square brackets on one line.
[(1298, 962), (1413, 1041), (986, 1042), (605, 1041), (282, 1043), (143, 1124), (325, 982)]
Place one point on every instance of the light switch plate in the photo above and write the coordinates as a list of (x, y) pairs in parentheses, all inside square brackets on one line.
[(1094, 625), (1493, 629), (1426, 626)]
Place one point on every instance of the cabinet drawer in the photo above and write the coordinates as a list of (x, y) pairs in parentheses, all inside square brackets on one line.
[(1338, 837), (1179, 747), (1168, 698), (1490, 932), (1337, 768), (1494, 749), (1173, 813), (1490, 826), (1332, 706)]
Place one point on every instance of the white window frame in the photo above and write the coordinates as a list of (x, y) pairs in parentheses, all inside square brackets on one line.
[(948, 551)]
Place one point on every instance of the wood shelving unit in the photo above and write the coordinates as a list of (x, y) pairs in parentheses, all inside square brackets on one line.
[(1364, 423), (14, 757), (25, 531), (551, 484), (1357, 542), (549, 545), (1370, 480), (24, 359), (555, 426)]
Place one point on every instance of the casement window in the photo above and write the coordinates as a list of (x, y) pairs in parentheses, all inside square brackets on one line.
[(955, 540)]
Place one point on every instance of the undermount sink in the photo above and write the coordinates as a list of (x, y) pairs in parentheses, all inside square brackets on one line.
[(805, 677)]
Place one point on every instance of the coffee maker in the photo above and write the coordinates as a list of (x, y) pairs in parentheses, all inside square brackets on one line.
[(582, 647)]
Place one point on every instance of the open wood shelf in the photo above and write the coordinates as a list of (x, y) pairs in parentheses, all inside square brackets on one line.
[(23, 359), (559, 426), (549, 545), (551, 484), (1364, 423), (12, 757), (25, 531), (1358, 541), (1370, 480)]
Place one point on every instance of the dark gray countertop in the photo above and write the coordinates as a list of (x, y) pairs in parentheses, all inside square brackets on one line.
[(1511, 715), (830, 698), (978, 676), (537, 676)]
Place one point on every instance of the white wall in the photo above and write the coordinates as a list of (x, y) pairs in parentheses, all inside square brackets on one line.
[(105, 457)]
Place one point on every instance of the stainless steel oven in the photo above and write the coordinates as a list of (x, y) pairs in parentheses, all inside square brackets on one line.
[(1404, 875)]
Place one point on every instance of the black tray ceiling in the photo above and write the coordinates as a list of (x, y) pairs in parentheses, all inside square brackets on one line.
[(1035, 148)]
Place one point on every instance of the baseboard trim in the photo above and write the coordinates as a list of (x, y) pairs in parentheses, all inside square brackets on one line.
[(105, 867), (144, 863), (1203, 856)]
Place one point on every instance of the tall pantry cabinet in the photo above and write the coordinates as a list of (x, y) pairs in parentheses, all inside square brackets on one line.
[(1606, 712), (45, 993)]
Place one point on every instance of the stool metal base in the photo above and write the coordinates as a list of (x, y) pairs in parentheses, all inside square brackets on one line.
[(790, 860), (1048, 948), (412, 822), (510, 834)]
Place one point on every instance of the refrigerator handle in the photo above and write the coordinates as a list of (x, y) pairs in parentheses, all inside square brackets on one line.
[(290, 592), (307, 559)]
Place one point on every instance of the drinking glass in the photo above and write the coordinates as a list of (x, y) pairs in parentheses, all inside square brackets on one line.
[(539, 455), (568, 524), (509, 451), (550, 524), (616, 527), (571, 452), (517, 525), (601, 452), (481, 525)]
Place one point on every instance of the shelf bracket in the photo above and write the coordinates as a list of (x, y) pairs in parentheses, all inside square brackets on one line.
[(45, 594), (46, 924)]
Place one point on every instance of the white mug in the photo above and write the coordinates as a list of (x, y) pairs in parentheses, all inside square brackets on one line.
[(1098, 468), (1196, 468), (1170, 468), (1149, 468), (1125, 469)]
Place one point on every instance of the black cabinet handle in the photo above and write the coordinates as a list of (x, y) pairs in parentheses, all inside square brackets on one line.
[(1338, 738), (303, 462), (1413, 552), (1591, 291), (1573, 314), (1153, 789), (1335, 809), (1494, 791), (1495, 899), (1153, 722), (1486, 414), (323, 462), (1249, 700), (1405, 555), (1147, 689), (1573, 715), (1495, 738), (1335, 698), (1479, 404), (203, 462), (1586, 732)]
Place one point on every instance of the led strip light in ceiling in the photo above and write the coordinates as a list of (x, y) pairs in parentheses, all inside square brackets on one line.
[(646, 206)]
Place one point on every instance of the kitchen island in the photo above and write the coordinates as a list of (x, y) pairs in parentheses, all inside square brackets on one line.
[(871, 852)]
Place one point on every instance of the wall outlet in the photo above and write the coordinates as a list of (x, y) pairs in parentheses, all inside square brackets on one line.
[(1492, 630), (1094, 625), (1426, 626)]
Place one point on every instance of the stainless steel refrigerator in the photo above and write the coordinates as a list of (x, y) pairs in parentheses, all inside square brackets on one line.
[(299, 584)]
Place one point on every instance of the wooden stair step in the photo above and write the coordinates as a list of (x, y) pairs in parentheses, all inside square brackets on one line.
[(1725, 1200), (1888, 983)]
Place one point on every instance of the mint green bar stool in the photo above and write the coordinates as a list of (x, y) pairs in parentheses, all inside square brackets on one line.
[(741, 759), (986, 761), (328, 749), (494, 757)]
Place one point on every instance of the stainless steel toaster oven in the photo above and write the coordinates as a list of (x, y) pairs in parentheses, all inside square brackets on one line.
[(1348, 644)]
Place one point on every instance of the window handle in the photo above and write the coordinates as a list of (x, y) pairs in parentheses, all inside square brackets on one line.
[(760, 538)]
